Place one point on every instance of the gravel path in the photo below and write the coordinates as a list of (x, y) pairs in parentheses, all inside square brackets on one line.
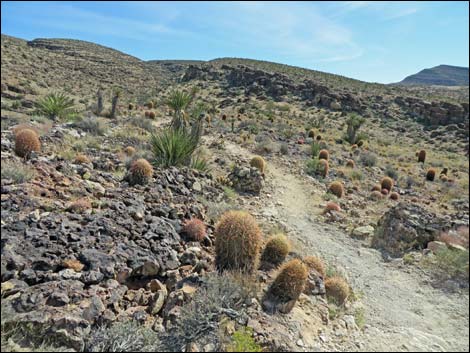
[(403, 313)]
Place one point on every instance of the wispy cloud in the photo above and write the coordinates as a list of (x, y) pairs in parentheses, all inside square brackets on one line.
[(72, 18), (382, 10), (401, 13)]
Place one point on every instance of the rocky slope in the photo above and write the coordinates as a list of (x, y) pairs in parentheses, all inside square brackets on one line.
[(442, 75), (81, 248)]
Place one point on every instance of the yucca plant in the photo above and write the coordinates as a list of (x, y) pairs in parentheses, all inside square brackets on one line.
[(56, 106), (198, 162), (116, 94), (173, 147), (353, 123), (179, 102)]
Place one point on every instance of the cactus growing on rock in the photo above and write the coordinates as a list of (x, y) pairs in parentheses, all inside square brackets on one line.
[(276, 249), (386, 183), (315, 263), (195, 229), (259, 163), (332, 206), (323, 166), (324, 154), (336, 188), (27, 141), (290, 281), (337, 289), (140, 172), (237, 242), (421, 156), (431, 174)]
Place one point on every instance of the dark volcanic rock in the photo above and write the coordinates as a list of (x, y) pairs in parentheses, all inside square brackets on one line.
[(407, 227)]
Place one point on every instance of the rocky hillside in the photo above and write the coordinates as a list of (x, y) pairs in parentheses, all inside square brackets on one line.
[(307, 197), (442, 75)]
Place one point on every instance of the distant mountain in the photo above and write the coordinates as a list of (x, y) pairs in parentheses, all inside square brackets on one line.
[(442, 75)]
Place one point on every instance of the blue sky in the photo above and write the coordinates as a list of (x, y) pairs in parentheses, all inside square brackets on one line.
[(370, 41)]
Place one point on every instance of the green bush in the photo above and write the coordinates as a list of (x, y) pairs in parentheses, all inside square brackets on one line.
[(127, 336), (368, 159), (200, 163), (17, 172), (173, 147), (56, 106), (315, 148), (242, 341)]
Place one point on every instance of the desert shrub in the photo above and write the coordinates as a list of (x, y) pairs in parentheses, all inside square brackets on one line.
[(128, 336), (265, 146), (276, 249), (173, 147), (27, 141), (195, 229), (386, 183), (311, 166), (237, 242), (140, 172), (91, 125), (448, 262), (394, 196), (391, 172), (144, 124), (332, 206), (355, 174), (199, 319), (82, 159), (324, 154), (284, 148), (17, 172), (242, 341), (368, 159), (337, 289), (55, 106), (258, 163), (290, 281), (421, 156), (431, 174), (350, 164), (336, 188), (460, 236), (80, 205)]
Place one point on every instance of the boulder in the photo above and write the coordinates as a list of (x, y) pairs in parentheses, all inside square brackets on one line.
[(406, 227)]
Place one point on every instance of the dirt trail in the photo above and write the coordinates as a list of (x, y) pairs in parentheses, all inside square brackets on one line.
[(404, 313)]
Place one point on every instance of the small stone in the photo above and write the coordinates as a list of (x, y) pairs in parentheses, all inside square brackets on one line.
[(363, 232), (197, 186), (435, 246)]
